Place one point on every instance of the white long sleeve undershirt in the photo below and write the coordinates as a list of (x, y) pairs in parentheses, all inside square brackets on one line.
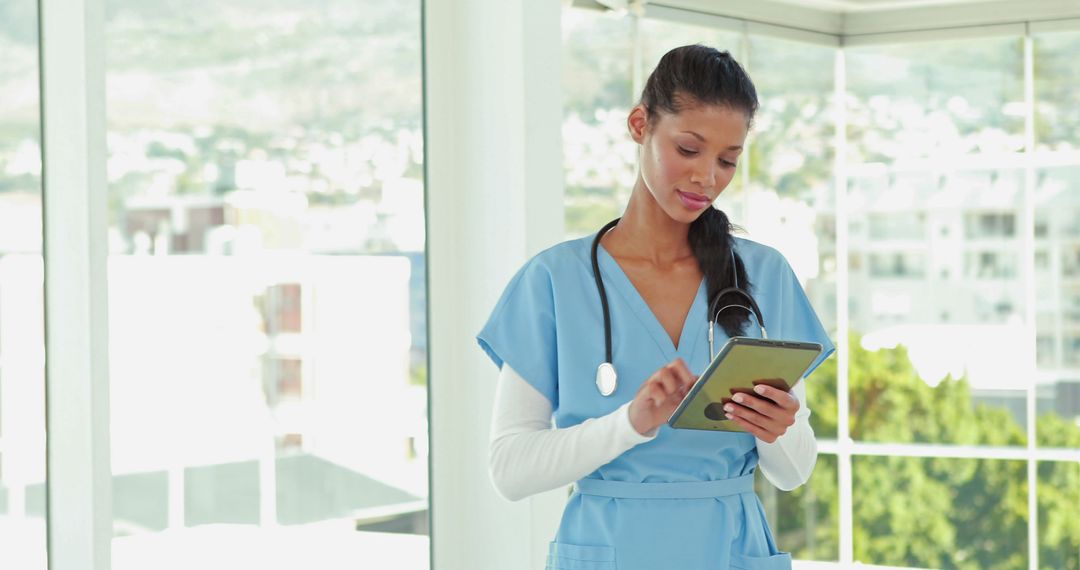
[(528, 455)]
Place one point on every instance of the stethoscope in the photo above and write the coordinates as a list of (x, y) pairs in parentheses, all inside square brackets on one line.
[(606, 377)]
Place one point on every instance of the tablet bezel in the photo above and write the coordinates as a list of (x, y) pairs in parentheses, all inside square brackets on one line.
[(731, 344)]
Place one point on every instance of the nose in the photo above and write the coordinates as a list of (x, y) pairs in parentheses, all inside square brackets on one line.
[(704, 175)]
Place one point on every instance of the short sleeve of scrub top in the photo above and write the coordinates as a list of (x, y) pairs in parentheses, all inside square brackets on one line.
[(521, 329)]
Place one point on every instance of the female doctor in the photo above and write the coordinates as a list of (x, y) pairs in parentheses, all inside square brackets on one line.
[(606, 334)]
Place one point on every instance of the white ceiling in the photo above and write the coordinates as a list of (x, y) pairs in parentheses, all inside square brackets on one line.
[(850, 22), (849, 6)]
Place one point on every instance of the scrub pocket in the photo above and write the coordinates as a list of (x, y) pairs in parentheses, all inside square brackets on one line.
[(780, 561), (562, 556)]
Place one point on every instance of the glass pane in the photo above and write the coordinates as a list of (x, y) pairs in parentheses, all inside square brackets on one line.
[(793, 151), (821, 393), (966, 99), (1057, 278), (265, 162), (600, 158), (940, 513), (806, 521), (22, 324), (660, 36), (791, 203), (935, 283), (891, 401), (1057, 91), (1059, 527)]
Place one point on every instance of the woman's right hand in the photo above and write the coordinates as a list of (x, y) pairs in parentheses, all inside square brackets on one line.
[(658, 396)]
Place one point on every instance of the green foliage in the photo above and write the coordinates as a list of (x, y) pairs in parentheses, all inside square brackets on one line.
[(418, 375), (1059, 528), (596, 63), (931, 513), (584, 217), (1057, 114)]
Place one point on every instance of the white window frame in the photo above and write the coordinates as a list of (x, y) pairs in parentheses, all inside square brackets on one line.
[(78, 473)]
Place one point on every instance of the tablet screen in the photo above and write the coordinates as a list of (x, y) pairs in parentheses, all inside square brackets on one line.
[(741, 364)]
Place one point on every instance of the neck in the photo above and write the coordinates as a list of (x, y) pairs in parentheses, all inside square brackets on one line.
[(648, 233)]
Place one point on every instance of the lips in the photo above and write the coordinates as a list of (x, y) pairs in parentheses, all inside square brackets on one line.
[(693, 201)]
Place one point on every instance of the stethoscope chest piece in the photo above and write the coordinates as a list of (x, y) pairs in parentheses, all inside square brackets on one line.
[(606, 379)]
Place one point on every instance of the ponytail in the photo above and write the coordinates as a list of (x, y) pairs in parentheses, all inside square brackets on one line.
[(710, 240)]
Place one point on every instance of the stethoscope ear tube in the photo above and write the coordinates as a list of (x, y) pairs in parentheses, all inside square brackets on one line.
[(753, 308)]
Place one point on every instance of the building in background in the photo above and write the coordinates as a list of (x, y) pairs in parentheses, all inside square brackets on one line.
[(239, 374)]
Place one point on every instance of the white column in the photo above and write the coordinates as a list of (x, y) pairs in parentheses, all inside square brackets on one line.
[(77, 390), (494, 198)]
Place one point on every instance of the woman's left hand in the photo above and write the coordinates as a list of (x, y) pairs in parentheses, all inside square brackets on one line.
[(768, 415)]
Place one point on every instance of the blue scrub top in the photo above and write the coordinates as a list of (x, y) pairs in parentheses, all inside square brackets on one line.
[(548, 326)]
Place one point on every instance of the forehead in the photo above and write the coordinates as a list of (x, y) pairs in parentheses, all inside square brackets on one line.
[(717, 124)]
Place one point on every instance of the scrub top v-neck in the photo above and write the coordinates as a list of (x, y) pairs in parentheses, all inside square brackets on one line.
[(615, 277), (684, 499)]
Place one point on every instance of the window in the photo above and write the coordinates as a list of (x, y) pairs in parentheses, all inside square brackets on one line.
[(22, 325), (266, 327), (1058, 346), (281, 309), (1070, 261), (988, 225), (1058, 487), (1042, 260), (1044, 350), (899, 226), (1057, 107), (935, 253), (900, 265), (962, 515), (597, 68), (1072, 354), (911, 120), (990, 265), (967, 99)]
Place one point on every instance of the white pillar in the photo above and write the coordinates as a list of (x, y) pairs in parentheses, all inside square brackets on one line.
[(494, 198), (77, 391)]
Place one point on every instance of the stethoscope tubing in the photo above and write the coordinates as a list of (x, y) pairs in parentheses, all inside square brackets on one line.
[(606, 375)]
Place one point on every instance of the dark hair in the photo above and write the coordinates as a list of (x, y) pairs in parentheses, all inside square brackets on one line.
[(695, 75)]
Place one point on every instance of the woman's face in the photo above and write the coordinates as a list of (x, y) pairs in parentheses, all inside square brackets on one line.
[(688, 158)]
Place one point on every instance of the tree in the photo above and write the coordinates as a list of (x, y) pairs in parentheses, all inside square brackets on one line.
[(931, 512)]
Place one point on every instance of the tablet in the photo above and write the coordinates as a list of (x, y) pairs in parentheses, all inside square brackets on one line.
[(741, 364)]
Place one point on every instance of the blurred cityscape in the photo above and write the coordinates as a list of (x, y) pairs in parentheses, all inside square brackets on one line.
[(935, 198), (267, 308)]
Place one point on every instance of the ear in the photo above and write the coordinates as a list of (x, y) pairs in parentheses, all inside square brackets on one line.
[(638, 123)]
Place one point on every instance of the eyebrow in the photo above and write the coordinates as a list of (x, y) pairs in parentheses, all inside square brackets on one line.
[(702, 139)]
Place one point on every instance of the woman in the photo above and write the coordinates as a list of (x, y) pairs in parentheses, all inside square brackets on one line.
[(648, 496)]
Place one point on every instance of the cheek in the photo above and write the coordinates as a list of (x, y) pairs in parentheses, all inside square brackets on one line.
[(726, 176), (667, 165)]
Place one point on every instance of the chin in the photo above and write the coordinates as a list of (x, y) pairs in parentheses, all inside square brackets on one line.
[(680, 214)]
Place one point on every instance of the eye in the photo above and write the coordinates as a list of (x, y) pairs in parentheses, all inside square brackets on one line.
[(686, 151), (727, 163)]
